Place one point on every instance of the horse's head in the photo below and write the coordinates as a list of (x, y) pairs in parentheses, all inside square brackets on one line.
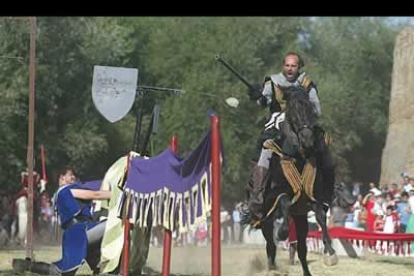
[(342, 196), (301, 117)]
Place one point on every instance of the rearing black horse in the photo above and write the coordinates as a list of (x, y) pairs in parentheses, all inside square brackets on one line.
[(296, 183)]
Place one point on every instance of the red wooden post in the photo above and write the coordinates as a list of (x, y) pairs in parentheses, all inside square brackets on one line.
[(166, 260), (216, 196), (125, 220)]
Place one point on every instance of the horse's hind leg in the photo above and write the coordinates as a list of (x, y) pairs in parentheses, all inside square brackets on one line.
[(301, 223), (284, 203), (331, 258), (267, 230)]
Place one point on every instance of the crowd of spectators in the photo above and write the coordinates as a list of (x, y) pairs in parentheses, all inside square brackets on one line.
[(386, 208)]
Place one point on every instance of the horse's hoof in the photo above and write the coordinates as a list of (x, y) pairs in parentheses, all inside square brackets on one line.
[(330, 260), (271, 264), (271, 267)]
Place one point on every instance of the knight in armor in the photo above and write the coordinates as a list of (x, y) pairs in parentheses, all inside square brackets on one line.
[(273, 94), (81, 237)]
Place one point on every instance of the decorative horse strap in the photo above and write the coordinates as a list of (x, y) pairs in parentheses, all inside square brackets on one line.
[(297, 182), (257, 223), (328, 139)]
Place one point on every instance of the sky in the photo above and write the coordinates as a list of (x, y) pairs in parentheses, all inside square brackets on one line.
[(403, 19)]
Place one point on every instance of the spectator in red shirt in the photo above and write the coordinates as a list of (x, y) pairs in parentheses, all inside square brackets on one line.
[(368, 202), (394, 189)]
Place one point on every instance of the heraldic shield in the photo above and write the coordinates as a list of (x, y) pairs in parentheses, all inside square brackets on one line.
[(114, 90)]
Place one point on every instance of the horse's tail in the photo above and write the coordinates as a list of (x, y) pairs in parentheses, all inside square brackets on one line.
[(245, 217), (248, 219)]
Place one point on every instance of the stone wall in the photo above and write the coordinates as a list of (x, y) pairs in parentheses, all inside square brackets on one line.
[(398, 154)]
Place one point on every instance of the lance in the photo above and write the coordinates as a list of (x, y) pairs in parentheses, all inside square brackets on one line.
[(44, 177)]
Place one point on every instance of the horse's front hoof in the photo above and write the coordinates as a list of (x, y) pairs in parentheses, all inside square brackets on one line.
[(271, 264), (330, 260), (271, 267)]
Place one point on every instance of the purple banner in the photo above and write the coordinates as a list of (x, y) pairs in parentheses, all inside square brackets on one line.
[(168, 190), (94, 185)]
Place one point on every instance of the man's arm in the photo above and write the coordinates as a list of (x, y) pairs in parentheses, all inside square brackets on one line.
[(88, 194), (313, 97), (267, 93), (262, 94)]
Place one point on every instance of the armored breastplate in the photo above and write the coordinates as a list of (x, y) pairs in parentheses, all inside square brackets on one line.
[(279, 83)]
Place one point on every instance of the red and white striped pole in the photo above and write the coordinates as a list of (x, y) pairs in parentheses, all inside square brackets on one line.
[(166, 260), (216, 196)]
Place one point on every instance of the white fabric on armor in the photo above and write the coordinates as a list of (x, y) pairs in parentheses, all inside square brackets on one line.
[(275, 120), (264, 160)]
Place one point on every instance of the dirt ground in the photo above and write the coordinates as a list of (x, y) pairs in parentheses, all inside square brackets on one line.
[(238, 261)]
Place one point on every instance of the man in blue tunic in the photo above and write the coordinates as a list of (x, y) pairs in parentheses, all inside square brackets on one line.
[(81, 237)]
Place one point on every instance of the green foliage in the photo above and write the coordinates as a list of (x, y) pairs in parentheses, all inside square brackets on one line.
[(350, 59)]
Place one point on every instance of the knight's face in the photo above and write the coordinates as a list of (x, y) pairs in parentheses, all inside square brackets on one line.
[(291, 68), (67, 178)]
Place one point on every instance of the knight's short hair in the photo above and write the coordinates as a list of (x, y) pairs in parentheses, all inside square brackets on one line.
[(301, 62), (63, 170)]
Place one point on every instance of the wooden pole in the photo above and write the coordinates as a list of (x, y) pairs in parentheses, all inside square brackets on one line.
[(29, 245)]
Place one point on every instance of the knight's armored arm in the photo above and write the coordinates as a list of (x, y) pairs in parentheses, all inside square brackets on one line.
[(266, 94), (313, 97), (255, 92)]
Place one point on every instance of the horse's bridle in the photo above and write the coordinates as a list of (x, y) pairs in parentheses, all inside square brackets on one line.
[(301, 128), (305, 126)]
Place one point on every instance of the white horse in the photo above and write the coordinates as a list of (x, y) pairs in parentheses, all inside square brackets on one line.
[(19, 226)]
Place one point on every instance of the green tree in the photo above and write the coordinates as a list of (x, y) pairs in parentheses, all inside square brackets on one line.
[(180, 54), (351, 59), (66, 122)]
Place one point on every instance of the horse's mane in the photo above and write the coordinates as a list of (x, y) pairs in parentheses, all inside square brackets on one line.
[(299, 109)]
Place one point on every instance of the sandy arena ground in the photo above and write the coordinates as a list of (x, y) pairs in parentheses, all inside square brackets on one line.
[(238, 261)]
